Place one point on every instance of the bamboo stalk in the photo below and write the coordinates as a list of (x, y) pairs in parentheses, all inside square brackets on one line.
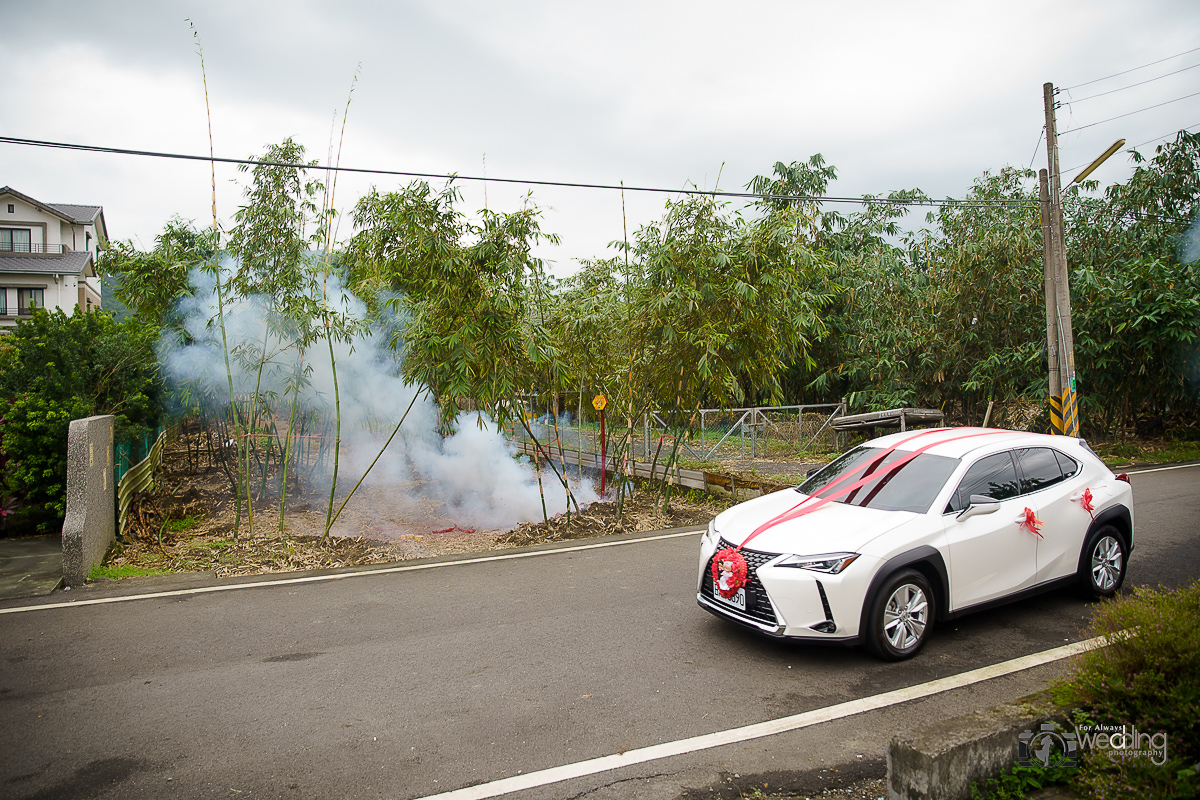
[(378, 455), (217, 272), (562, 455), (337, 439), (579, 437), (288, 443)]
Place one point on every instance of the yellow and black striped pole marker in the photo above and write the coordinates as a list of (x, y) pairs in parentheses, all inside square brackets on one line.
[(1070, 413), (1056, 415)]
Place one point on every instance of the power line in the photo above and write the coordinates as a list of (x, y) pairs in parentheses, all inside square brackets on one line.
[(1142, 144), (1165, 135), (1036, 147), (1126, 72), (865, 200), (1131, 113), (1130, 86)]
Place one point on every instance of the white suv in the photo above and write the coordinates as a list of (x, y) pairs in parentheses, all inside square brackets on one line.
[(917, 527)]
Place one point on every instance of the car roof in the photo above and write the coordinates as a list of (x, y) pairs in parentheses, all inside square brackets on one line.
[(960, 442)]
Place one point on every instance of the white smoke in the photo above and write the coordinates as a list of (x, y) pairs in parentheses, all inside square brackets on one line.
[(471, 475), (1190, 245)]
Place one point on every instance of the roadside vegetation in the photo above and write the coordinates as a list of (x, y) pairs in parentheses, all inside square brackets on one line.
[(1144, 683), (56, 368), (782, 300)]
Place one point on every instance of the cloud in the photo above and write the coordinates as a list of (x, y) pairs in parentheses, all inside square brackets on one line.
[(924, 94)]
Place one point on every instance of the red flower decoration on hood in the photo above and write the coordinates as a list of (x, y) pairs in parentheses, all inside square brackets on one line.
[(1031, 523), (728, 572)]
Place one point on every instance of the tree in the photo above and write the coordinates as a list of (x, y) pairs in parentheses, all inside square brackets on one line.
[(722, 304), (151, 283), (469, 293), (55, 368)]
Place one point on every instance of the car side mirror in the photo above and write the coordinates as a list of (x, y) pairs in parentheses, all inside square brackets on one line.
[(980, 504)]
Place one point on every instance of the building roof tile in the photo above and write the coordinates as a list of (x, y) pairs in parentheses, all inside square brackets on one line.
[(74, 263)]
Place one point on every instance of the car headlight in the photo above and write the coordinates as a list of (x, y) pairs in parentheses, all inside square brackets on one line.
[(711, 534), (833, 563)]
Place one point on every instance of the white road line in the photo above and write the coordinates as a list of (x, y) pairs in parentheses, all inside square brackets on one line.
[(344, 575), (1160, 469), (759, 730)]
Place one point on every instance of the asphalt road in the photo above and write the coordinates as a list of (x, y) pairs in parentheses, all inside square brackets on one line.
[(407, 684)]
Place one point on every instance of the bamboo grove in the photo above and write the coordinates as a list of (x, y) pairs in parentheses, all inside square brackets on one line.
[(781, 300)]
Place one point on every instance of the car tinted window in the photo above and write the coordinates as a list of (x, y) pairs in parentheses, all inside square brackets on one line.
[(1068, 465), (838, 467), (1039, 468), (993, 476), (898, 482)]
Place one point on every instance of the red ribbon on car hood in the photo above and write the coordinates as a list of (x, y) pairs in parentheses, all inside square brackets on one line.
[(800, 509)]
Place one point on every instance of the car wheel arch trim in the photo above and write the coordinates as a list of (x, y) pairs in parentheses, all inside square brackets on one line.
[(924, 555), (1117, 516)]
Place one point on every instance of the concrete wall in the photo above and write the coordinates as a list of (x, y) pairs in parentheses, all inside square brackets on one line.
[(943, 759), (90, 527)]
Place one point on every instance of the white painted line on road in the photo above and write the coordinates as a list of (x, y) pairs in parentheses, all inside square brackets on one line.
[(1160, 469), (761, 729), (343, 575)]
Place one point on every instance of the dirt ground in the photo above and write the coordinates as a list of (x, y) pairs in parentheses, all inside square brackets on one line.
[(190, 523)]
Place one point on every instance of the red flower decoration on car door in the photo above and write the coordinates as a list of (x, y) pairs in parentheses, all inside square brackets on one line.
[(1031, 523), (1086, 502)]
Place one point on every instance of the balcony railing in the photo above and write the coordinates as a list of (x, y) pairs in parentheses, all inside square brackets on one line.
[(41, 249)]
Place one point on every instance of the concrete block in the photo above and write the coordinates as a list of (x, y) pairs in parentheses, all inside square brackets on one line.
[(940, 761), (90, 526)]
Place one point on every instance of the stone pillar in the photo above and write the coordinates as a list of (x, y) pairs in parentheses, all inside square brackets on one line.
[(90, 527)]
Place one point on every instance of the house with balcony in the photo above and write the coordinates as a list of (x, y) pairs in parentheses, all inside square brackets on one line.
[(48, 255)]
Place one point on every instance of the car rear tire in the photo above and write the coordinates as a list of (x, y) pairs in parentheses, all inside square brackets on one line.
[(902, 615), (1102, 565)]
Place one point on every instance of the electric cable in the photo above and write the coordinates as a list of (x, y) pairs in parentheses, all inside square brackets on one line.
[(864, 200), (1130, 86), (1126, 72), (1130, 114), (1036, 147), (1142, 144)]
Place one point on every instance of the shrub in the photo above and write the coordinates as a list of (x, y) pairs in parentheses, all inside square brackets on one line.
[(1148, 679), (55, 368)]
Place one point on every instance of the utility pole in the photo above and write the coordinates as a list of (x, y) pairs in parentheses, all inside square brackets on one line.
[(1049, 261), (1065, 398)]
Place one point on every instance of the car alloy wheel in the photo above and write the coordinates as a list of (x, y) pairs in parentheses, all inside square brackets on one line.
[(1103, 567), (902, 616), (1106, 563)]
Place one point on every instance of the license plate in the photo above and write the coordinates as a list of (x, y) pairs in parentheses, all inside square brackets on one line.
[(738, 601)]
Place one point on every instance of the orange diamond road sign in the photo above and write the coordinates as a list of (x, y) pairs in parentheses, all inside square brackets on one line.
[(599, 402)]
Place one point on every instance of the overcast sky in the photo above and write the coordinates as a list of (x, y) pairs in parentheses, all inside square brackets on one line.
[(922, 95)]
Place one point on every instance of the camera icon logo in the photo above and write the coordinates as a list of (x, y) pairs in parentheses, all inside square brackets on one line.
[(1047, 747)]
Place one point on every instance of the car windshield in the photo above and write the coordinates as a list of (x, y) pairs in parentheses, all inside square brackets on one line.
[(898, 481)]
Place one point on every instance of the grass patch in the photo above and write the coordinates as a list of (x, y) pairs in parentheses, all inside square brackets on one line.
[(701, 466), (181, 525), (120, 571), (217, 546), (1122, 454)]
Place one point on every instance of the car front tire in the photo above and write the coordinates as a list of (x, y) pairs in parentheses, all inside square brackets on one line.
[(902, 615), (1102, 567)]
